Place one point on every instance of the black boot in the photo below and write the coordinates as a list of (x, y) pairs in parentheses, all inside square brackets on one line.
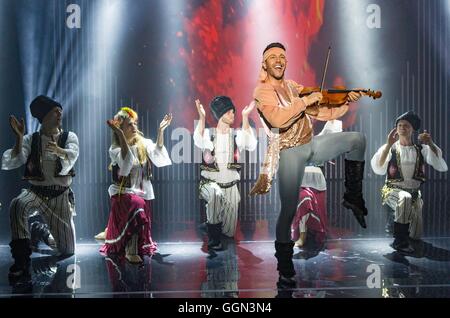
[(20, 270), (214, 233), (401, 238), (203, 228), (353, 198), (285, 266)]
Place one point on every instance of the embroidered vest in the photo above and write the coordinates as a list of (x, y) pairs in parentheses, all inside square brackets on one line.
[(209, 160), (33, 166), (394, 171)]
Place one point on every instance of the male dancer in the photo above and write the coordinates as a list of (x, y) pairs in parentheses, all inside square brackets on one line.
[(403, 162), (220, 167), (280, 106), (49, 156)]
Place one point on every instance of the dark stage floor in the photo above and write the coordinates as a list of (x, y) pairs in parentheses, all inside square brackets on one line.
[(346, 268)]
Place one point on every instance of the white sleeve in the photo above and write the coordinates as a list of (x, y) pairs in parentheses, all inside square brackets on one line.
[(203, 142), (331, 126), (246, 140), (125, 164), (437, 162), (158, 156), (10, 162), (71, 148), (376, 158)]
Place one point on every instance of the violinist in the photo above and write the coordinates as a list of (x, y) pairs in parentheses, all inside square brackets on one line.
[(286, 116)]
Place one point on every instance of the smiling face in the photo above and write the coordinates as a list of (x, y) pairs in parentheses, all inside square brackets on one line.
[(275, 63), (53, 118), (228, 117), (404, 128)]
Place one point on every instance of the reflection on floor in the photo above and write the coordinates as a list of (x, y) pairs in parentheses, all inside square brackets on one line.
[(345, 268)]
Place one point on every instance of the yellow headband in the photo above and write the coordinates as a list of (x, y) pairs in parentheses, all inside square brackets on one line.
[(273, 50)]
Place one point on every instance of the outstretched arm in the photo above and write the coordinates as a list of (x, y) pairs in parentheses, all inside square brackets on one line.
[(245, 138), (19, 130), (17, 156), (164, 124), (245, 113), (201, 117)]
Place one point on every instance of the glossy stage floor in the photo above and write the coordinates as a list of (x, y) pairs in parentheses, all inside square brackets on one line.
[(345, 268)]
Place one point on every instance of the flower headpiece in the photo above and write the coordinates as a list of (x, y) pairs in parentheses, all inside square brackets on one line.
[(126, 112)]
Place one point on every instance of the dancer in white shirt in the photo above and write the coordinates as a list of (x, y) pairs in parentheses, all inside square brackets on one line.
[(129, 227), (403, 162), (220, 167), (49, 156)]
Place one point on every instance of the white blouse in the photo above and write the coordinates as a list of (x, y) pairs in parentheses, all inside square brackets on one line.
[(408, 156), (10, 162), (245, 140), (130, 166)]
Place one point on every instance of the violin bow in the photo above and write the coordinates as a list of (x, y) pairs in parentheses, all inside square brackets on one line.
[(324, 74)]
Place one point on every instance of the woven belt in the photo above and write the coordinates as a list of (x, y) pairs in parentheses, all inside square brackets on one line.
[(386, 188), (204, 181)]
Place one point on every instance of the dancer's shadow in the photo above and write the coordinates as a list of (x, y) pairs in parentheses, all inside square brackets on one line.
[(159, 258), (422, 249), (427, 250)]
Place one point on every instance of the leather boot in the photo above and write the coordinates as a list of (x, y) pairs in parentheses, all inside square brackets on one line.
[(214, 233), (353, 198), (401, 238), (285, 266), (20, 270)]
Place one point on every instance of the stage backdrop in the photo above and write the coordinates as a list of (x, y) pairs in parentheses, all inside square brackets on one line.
[(95, 56)]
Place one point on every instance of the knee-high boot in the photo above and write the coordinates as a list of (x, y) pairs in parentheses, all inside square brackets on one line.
[(353, 198), (285, 265)]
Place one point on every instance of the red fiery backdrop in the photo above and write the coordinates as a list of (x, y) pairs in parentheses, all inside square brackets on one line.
[(225, 43)]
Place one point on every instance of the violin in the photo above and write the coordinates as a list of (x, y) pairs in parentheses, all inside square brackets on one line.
[(338, 96)]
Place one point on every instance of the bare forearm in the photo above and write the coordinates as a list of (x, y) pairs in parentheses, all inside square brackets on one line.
[(201, 126), (17, 146), (124, 148), (160, 139), (245, 123), (384, 155)]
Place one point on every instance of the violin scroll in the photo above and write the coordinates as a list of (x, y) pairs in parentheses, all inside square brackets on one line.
[(373, 94)]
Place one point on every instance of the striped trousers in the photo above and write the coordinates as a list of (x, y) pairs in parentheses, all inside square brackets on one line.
[(222, 205), (406, 210), (56, 212)]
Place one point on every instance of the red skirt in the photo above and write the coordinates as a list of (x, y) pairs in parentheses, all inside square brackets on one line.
[(314, 201), (129, 215)]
